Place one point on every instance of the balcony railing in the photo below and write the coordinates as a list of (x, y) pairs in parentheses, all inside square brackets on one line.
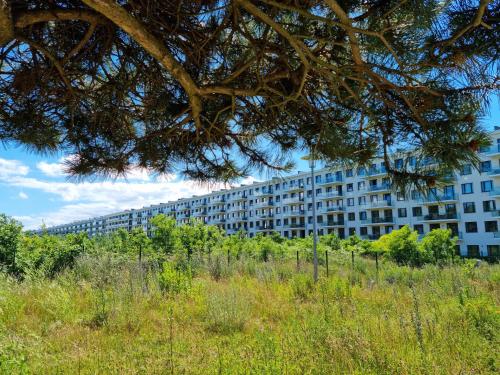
[(495, 192), (263, 193), (331, 223), (378, 220), (330, 180), (264, 204), (379, 187), (333, 209), (264, 227), (295, 225), (438, 198), (296, 186), (494, 172), (295, 213), (292, 200), (493, 149), (447, 216), (376, 171), (495, 213), (330, 194), (381, 203)]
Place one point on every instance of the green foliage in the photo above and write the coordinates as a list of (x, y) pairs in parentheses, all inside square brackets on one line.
[(10, 235), (47, 255), (401, 245), (438, 245), (165, 239), (174, 281)]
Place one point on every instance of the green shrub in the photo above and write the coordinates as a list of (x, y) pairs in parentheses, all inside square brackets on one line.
[(174, 281), (438, 246)]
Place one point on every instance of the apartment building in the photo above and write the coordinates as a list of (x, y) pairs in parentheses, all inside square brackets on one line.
[(348, 201)]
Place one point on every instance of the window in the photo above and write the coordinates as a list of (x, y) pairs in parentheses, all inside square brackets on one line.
[(485, 166), (416, 211), (363, 231), (471, 227), (402, 212), (469, 207), (486, 186), (350, 202), (352, 231), (489, 206), (361, 185), (350, 187), (491, 226), (494, 251), (318, 179), (449, 191), (467, 188), (362, 215), (415, 195), (419, 228), (351, 216), (466, 170), (473, 251), (400, 196), (349, 172), (362, 201), (398, 163)]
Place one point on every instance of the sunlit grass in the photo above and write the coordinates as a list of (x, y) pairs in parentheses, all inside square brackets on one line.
[(108, 316)]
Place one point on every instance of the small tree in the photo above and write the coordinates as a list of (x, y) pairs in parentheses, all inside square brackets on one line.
[(10, 235), (438, 245), (402, 246), (166, 234)]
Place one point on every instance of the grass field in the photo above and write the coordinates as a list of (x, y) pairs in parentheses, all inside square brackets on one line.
[(110, 316)]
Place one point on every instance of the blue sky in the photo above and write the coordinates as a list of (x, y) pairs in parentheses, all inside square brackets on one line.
[(34, 189)]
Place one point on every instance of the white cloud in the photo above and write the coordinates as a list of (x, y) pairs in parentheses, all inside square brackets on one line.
[(89, 199), (10, 168), (51, 169)]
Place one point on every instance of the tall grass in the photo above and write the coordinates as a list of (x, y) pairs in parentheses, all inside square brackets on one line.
[(111, 315)]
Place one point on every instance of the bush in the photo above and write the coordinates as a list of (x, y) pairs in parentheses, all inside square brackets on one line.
[(174, 281), (438, 246), (10, 235), (401, 245)]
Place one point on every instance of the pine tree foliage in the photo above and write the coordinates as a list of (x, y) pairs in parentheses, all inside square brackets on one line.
[(213, 88)]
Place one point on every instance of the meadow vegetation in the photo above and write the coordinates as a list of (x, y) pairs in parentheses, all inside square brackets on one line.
[(191, 300)]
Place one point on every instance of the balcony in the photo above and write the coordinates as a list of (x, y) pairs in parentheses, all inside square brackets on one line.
[(494, 172), (440, 217), (375, 205), (330, 181), (241, 197), (330, 195), (264, 193), (433, 199), (332, 209), (493, 150), (378, 220), (293, 200), (266, 216), (495, 193), (295, 225), (294, 213), (264, 204), (373, 172), (296, 187), (379, 188), (264, 227), (333, 223)]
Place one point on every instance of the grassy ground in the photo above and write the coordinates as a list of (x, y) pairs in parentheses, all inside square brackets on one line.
[(108, 317)]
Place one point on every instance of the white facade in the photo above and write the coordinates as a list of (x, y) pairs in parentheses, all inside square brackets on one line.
[(348, 202)]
